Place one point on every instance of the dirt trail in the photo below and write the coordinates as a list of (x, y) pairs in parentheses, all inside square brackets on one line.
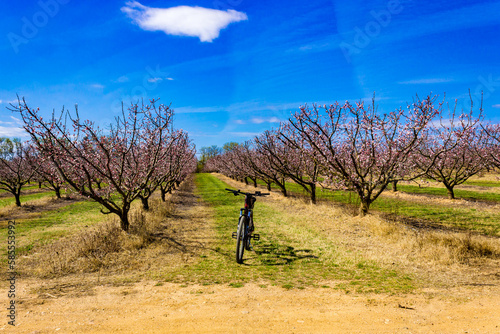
[(145, 306)]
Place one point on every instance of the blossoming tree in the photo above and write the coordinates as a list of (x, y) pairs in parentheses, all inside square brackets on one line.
[(16, 166), (360, 149), (124, 158)]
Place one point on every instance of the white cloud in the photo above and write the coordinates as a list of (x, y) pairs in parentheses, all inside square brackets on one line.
[(204, 23), (8, 102), (155, 79), (12, 132), (97, 86), (260, 120), (169, 79), (496, 106), (425, 81)]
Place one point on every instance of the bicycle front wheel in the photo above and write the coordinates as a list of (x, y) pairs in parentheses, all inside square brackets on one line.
[(240, 239)]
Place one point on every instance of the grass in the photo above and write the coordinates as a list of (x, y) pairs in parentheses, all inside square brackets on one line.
[(483, 183), (289, 254), (51, 225), (301, 245), (482, 221), (25, 198), (442, 192)]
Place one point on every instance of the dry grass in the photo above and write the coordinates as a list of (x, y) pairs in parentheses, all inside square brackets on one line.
[(104, 247), (431, 247)]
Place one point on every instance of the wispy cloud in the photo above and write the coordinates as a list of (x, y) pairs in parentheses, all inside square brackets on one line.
[(426, 81), (204, 23), (260, 120), (97, 86), (155, 79), (496, 106), (245, 134), (13, 128), (122, 79), (7, 102), (196, 110)]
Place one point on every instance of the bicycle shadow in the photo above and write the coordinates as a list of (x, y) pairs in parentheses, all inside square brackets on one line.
[(270, 254)]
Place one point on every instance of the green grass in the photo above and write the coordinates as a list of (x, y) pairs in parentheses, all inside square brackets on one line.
[(26, 187), (25, 198), (290, 254), (51, 225)]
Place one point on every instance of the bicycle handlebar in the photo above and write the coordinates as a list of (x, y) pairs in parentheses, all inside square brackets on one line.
[(237, 192)]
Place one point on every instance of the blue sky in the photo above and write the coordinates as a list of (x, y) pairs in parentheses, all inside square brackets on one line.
[(234, 68)]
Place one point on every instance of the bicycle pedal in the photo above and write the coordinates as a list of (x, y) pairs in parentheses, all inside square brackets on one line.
[(256, 237), (235, 235)]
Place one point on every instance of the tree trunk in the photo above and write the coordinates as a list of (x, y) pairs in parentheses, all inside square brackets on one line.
[(269, 186), (451, 193), (363, 208), (58, 192), (17, 195), (145, 203), (124, 223), (313, 193), (394, 185), (255, 182), (39, 185), (163, 193), (246, 181), (282, 187)]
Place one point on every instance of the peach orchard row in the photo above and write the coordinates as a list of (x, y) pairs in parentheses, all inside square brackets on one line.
[(139, 154), (351, 146)]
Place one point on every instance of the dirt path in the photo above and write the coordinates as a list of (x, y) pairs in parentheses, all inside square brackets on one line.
[(144, 307), (78, 304)]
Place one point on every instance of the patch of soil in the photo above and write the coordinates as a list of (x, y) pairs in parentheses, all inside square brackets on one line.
[(170, 308)]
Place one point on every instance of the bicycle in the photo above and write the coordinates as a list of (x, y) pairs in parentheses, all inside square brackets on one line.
[(245, 224)]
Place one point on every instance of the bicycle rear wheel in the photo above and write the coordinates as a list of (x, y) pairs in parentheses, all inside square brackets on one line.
[(240, 239)]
